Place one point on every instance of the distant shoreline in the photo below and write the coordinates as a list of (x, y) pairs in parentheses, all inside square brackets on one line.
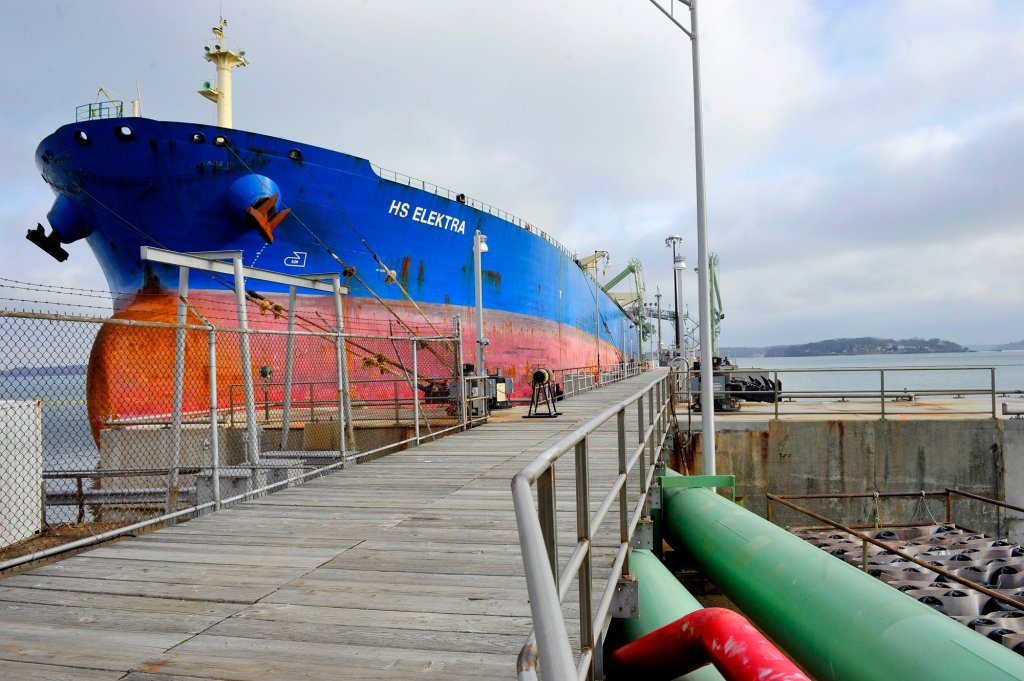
[(842, 347), (46, 371)]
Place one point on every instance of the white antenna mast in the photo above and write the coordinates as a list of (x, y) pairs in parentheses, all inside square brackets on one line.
[(225, 59), (137, 102)]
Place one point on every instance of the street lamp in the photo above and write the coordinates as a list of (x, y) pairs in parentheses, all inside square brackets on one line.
[(678, 265), (479, 246), (657, 298), (707, 399)]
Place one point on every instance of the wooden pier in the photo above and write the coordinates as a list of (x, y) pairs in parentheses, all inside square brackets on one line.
[(404, 567)]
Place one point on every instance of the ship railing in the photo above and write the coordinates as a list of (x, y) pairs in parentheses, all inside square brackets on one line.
[(870, 391), (96, 110), (444, 192), (640, 424)]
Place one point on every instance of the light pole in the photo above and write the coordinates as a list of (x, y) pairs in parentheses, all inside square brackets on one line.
[(677, 285), (657, 297), (707, 399), (678, 268), (479, 246)]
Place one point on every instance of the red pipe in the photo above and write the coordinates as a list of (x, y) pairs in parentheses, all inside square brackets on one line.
[(716, 635)]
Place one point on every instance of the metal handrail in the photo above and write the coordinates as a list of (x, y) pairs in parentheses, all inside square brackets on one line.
[(88, 112), (547, 582), (880, 394), (590, 377), (881, 380)]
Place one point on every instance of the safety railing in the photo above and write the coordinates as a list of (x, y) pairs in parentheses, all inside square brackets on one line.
[(88, 112), (549, 582), (864, 396), (476, 405)]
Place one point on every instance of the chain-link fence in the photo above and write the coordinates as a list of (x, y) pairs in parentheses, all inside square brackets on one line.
[(107, 423)]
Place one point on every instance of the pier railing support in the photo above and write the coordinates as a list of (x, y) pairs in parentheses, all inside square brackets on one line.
[(179, 392), (252, 438), (415, 392), (548, 581), (344, 404), (214, 439), (289, 365)]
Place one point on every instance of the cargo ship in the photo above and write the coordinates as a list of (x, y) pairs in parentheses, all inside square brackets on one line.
[(405, 247)]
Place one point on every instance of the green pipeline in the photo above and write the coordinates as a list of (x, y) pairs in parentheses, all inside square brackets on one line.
[(663, 600), (833, 619)]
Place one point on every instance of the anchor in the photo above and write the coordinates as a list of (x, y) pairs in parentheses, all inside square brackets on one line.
[(49, 243), (264, 211)]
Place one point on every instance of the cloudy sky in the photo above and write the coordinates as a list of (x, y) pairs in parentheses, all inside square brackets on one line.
[(865, 159)]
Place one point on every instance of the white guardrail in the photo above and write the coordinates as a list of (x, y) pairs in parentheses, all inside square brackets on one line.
[(548, 582)]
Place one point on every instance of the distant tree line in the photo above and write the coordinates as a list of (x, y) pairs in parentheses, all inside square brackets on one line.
[(851, 346), (69, 369)]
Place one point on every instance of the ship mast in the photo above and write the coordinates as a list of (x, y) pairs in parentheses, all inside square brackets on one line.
[(225, 59)]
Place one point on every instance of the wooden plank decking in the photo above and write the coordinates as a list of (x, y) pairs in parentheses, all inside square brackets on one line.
[(408, 566)]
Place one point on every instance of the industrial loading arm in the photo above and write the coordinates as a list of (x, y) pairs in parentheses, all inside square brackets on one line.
[(635, 296)]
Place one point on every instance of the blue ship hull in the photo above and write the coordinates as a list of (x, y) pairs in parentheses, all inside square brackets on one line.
[(131, 182)]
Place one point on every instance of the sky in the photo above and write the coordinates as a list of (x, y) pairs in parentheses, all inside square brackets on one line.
[(864, 159)]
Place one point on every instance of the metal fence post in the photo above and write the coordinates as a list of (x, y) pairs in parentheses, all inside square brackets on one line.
[(881, 375), (179, 393), (415, 393), (659, 400), (214, 439), (778, 393), (461, 387), (546, 512), (583, 534), (343, 402), (651, 416), (620, 428), (993, 372), (252, 444), (289, 363), (398, 404), (640, 439)]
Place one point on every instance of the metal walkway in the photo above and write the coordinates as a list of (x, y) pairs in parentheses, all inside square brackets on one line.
[(405, 566)]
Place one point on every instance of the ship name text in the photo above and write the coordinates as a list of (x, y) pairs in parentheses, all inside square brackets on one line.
[(430, 218)]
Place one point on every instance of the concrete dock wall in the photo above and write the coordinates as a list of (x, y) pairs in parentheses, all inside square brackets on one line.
[(982, 456)]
